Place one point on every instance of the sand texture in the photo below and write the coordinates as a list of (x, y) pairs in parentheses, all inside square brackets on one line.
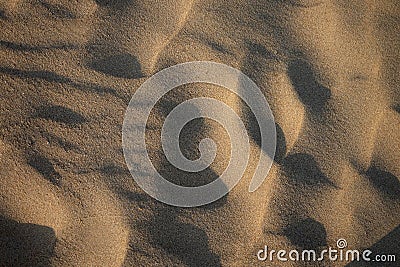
[(68, 68)]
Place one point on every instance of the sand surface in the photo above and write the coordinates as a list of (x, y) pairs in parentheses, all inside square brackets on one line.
[(329, 70)]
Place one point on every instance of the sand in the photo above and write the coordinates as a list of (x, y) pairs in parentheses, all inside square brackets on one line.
[(329, 70)]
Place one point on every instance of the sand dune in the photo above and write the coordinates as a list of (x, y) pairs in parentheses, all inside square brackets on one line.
[(329, 70)]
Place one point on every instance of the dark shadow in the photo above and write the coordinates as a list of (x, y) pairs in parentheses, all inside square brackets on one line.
[(185, 241), (58, 10), (387, 245), (60, 114), (142, 200), (301, 3), (311, 93), (184, 178), (281, 147), (45, 168), (307, 234), (114, 3), (50, 76), (397, 108), (385, 182), (40, 74), (2, 14), (31, 48), (258, 58), (112, 169), (66, 145), (136, 197), (261, 50), (254, 132), (218, 47), (303, 170), (210, 42), (25, 244), (252, 126), (121, 65)]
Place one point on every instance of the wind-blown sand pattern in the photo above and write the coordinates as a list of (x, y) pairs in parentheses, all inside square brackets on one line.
[(329, 70)]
